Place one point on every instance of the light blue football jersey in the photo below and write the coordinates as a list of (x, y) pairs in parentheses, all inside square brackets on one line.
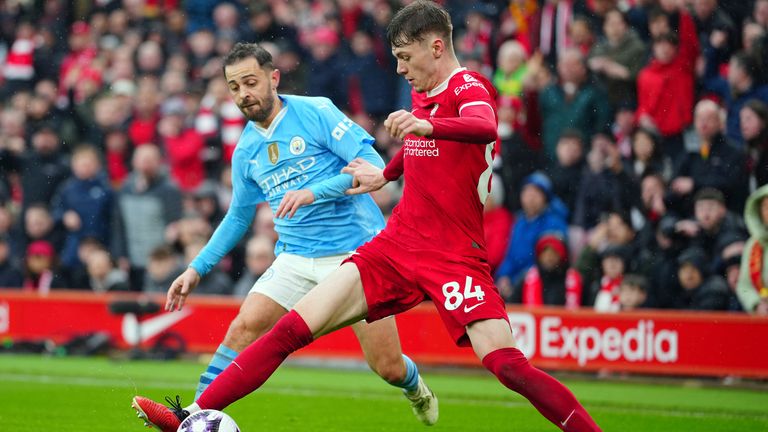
[(307, 143)]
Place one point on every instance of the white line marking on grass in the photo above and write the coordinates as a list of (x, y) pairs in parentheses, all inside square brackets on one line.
[(324, 393)]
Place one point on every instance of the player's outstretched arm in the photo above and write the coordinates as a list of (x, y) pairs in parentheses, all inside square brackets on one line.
[(180, 289), (366, 177)]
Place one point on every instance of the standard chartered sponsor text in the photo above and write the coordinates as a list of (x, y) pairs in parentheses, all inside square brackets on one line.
[(420, 147)]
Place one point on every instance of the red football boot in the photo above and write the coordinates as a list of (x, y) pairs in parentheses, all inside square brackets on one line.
[(158, 415)]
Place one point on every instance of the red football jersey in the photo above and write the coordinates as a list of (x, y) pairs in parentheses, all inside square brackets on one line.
[(447, 175)]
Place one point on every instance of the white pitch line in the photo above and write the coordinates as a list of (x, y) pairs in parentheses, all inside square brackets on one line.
[(295, 391)]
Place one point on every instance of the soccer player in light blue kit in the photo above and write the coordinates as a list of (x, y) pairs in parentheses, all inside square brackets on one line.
[(290, 155)]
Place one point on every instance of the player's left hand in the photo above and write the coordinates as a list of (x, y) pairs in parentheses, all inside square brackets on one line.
[(292, 200), (401, 123)]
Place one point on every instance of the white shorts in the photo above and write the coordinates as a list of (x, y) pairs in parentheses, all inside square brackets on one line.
[(292, 276)]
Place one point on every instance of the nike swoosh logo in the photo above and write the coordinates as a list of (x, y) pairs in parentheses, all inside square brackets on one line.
[(469, 309), (150, 327), (569, 417)]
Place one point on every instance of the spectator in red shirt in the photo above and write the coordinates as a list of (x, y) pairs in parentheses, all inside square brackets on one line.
[(183, 146)]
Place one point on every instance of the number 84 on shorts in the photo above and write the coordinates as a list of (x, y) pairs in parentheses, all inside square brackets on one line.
[(454, 297)]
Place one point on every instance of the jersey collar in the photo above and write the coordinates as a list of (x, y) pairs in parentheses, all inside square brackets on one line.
[(444, 85), (267, 133)]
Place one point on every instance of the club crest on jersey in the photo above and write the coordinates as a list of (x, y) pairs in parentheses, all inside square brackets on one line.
[(434, 110), (297, 146), (273, 152)]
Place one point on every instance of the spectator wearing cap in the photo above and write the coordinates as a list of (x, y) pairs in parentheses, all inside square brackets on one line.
[(754, 130), (571, 102), (711, 222), (550, 281), (665, 87), (541, 212), (698, 289), (617, 58), (44, 168), (83, 205), (716, 163), (41, 270), (10, 275), (604, 292), (19, 70), (752, 287)]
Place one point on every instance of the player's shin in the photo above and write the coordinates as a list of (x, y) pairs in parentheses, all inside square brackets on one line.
[(220, 360), (256, 363), (553, 400)]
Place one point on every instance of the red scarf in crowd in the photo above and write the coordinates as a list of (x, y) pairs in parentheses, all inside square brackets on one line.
[(533, 288), (756, 270)]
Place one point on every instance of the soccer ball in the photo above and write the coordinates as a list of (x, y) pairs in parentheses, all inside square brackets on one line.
[(208, 421)]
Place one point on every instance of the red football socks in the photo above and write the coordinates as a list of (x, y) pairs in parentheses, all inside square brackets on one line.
[(553, 400), (256, 363)]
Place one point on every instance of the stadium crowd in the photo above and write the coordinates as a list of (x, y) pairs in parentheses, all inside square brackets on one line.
[(633, 135)]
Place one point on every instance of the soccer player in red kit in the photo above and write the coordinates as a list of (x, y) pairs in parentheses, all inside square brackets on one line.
[(432, 246)]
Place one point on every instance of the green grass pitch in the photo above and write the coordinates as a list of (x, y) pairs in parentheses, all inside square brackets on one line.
[(93, 394)]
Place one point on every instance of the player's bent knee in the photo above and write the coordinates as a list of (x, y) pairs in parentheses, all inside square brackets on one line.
[(391, 370), (246, 329)]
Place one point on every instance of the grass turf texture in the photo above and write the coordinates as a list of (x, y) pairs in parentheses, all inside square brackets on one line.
[(87, 394)]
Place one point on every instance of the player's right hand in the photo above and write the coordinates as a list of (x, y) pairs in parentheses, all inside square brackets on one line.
[(180, 289), (366, 177)]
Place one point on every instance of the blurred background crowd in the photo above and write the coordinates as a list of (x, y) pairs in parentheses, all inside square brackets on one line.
[(633, 139)]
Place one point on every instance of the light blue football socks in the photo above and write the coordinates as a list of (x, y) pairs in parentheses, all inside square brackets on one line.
[(411, 381), (221, 359)]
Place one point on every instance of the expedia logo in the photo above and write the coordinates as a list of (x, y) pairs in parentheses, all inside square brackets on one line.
[(273, 152), (297, 145)]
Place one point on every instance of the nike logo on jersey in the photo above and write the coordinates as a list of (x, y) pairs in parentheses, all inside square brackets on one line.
[(135, 333), (468, 309), (254, 162)]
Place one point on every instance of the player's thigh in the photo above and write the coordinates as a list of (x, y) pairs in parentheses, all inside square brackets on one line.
[(287, 280), (379, 340), (489, 335), (463, 292), (335, 302)]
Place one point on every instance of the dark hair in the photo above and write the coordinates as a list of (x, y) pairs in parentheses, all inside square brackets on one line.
[(747, 63), (635, 280), (667, 37), (573, 134), (244, 50), (759, 108), (418, 19)]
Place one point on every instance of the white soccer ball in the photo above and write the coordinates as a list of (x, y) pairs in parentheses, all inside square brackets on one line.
[(208, 421)]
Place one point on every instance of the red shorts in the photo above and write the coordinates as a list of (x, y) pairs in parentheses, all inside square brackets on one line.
[(396, 279)]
